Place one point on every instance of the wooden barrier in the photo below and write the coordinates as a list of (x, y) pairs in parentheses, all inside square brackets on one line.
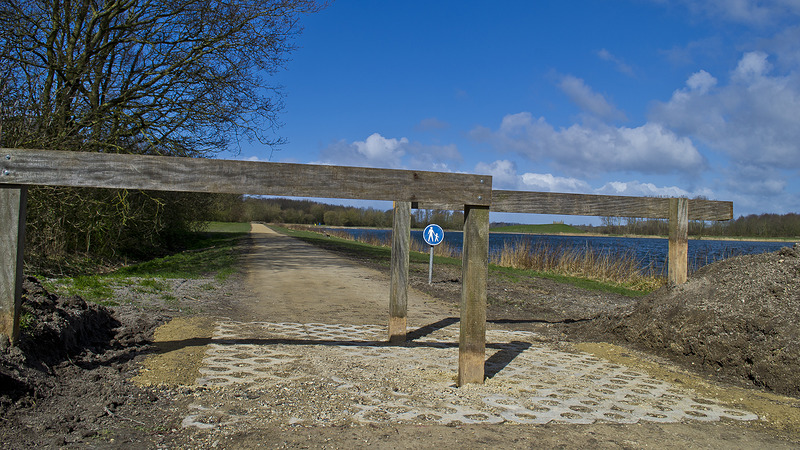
[(678, 210), (20, 167), (472, 194), (604, 205), (165, 173)]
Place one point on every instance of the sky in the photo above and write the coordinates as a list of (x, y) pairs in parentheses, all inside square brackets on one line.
[(625, 97)]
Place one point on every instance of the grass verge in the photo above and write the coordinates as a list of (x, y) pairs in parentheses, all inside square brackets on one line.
[(212, 252), (381, 252)]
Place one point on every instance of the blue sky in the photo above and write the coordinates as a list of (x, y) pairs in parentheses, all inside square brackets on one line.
[(636, 97)]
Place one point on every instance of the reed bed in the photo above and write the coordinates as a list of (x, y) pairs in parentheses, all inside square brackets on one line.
[(443, 249), (620, 267)]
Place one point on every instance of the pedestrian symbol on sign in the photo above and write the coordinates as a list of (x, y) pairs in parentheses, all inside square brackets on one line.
[(433, 234)]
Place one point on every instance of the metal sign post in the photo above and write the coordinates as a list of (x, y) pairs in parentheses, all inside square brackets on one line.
[(433, 235)]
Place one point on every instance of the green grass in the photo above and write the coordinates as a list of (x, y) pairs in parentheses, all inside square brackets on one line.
[(227, 227), (26, 320), (211, 252), (359, 250), (584, 283), (381, 254), (550, 228), (91, 288), (350, 248)]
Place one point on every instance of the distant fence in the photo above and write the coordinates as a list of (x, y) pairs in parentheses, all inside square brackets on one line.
[(473, 194)]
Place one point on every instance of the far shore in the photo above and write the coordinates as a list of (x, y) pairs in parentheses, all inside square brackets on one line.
[(633, 236), (646, 236)]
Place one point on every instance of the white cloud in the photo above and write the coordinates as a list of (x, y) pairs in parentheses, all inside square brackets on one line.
[(701, 82), (375, 151), (784, 46), (394, 153), (755, 181), (583, 150), (503, 172), (505, 176), (751, 67), (605, 55), (433, 157), (378, 148), (753, 119), (638, 189), (588, 100), (549, 183)]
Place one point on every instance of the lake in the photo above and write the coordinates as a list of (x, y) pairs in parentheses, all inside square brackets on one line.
[(649, 252)]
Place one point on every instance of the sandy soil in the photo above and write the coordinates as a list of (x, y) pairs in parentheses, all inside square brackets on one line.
[(291, 280), (291, 354)]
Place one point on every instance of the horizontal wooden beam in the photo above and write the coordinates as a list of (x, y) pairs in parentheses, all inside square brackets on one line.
[(163, 173), (592, 205), (710, 210)]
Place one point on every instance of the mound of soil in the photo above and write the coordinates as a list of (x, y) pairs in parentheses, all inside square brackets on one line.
[(738, 318), (54, 329), (67, 378)]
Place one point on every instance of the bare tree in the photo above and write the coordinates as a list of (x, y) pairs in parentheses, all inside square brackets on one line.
[(168, 77), (177, 77)]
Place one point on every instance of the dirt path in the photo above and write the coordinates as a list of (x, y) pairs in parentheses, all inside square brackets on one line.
[(294, 281)]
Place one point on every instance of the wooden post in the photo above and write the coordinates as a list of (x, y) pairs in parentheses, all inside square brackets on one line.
[(474, 276), (12, 240), (398, 297), (678, 240)]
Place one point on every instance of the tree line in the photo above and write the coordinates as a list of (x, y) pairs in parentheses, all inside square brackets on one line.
[(240, 208), (753, 225)]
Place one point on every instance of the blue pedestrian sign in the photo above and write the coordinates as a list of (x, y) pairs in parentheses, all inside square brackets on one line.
[(433, 234)]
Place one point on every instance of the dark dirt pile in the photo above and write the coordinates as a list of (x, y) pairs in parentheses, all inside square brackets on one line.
[(738, 319), (66, 382), (54, 329)]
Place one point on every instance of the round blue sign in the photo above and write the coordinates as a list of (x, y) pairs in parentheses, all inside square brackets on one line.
[(433, 234)]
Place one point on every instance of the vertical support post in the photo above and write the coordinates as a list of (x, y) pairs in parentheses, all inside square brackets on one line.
[(398, 297), (678, 240), (13, 201), (474, 276)]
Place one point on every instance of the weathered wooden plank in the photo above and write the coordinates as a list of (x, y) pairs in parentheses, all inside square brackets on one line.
[(677, 271), (81, 169), (710, 210), (592, 205), (12, 240), (398, 297), (474, 275), (579, 204)]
